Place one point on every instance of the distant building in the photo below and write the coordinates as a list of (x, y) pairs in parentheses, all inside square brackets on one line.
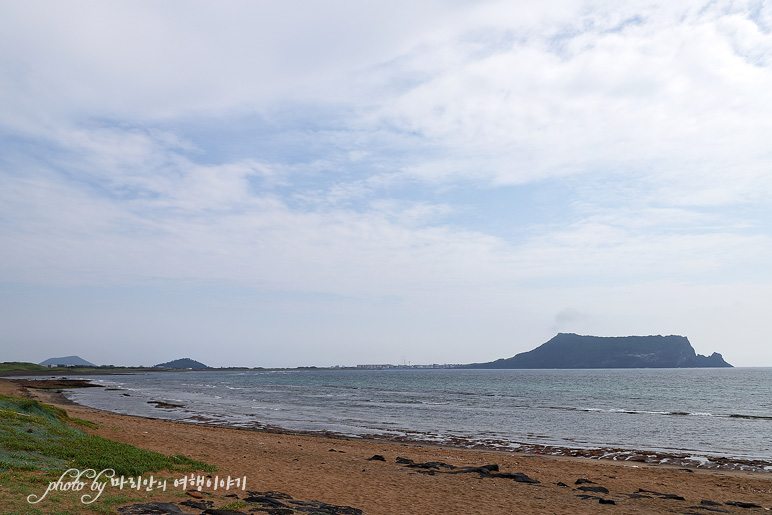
[(375, 367)]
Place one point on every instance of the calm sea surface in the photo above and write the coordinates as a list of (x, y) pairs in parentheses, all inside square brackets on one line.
[(712, 412)]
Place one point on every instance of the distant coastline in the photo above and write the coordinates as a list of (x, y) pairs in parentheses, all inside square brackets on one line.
[(563, 351)]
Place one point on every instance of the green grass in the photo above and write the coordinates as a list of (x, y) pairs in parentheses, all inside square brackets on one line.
[(20, 366), (234, 505), (39, 442), (37, 434), (84, 423), (15, 486)]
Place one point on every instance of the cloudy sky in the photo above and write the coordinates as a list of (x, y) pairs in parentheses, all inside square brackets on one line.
[(341, 182)]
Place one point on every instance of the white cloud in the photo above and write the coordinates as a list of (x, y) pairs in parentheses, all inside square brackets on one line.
[(149, 61), (377, 148), (673, 96)]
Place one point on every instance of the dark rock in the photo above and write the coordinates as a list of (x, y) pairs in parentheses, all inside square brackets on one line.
[(343, 510), (567, 350), (705, 508), (490, 470), (165, 405), (709, 503), (269, 503), (212, 511), (638, 496), (582, 481), (376, 457), (606, 501), (266, 501), (595, 489), (321, 508), (485, 470), (404, 461), (518, 477), (742, 504), (199, 505), (271, 494), (431, 465), (561, 483), (663, 496), (151, 508)]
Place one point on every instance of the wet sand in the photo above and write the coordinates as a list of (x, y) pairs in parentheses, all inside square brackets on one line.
[(337, 471)]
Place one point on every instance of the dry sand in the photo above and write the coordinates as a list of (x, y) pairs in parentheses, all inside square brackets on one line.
[(337, 471)]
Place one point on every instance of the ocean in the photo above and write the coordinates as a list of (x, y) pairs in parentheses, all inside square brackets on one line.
[(718, 417)]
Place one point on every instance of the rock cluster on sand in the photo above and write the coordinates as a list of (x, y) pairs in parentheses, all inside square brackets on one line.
[(585, 487), (273, 503), (491, 470)]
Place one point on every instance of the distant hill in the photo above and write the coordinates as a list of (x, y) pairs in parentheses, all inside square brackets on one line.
[(67, 361), (568, 350), (183, 363)]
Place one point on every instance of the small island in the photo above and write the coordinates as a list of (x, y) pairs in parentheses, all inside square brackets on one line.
[(568, 350)]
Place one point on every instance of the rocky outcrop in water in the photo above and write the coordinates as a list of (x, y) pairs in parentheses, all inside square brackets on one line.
[(568, 350)]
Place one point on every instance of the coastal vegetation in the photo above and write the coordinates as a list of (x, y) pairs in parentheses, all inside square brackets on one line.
[(20, 366), (40, 442)]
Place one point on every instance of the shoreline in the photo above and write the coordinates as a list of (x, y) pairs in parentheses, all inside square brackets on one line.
[(708, 460), (704, 460), (341, 470)]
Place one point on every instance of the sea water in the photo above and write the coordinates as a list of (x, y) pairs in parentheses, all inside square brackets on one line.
[(701, 412)]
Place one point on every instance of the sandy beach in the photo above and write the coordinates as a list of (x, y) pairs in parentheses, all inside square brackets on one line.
[(339, 471)]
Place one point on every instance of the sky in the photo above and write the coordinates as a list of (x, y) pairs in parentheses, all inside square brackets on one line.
[(281, 184)]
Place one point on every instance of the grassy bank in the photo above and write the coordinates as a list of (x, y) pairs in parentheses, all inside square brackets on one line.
[(39, 442), (20, 366), (17, 368)]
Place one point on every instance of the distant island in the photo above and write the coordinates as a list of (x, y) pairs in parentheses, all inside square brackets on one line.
[(183, 364), (568, 350), (67, 361)]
